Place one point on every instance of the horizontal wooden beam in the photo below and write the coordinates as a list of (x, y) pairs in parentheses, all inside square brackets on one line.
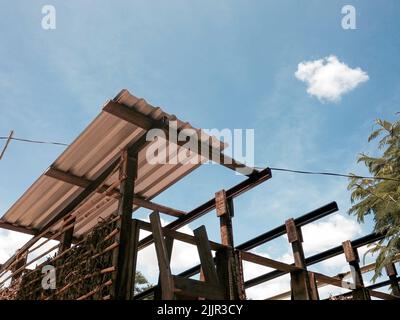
[(194, 288), (84, 183), (11, 227), (132, 116), (334, 281), (67, 177), (139, 201), (383, 296), (254, 258)]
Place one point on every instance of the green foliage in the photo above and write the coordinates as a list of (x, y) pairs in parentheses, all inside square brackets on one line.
[(379, 197), (141, 283)]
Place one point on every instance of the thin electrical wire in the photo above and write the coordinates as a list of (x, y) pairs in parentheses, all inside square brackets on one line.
[(329, 174), (261, 168), (35, 141)]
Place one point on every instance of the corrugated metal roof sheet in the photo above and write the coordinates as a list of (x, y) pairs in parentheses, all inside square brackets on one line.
[(99, 144)]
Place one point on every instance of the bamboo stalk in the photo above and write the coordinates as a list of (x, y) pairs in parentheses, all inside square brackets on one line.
[(108, 283)]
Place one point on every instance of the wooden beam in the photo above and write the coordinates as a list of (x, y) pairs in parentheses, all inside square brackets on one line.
[(138, 119), (224, 208), (314, 286), (67, 177), (194, 288), (12, 227), (123, 289), (208, 206), (383, 296), (206, 258), (66, 238), (169, 244), (351, 254), (254, 258), (392, 274), (166, 279), (137, 200), (130, 115), (299, 280)]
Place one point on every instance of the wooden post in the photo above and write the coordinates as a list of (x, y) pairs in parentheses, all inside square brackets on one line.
[(166, 278), (300, 281), (394, 283), (123, 277), (169, 243), (314, 286), (206, 258), (225, 213), (351, 254), (224, 273), (67, 237), (234, 281), (240, 275)]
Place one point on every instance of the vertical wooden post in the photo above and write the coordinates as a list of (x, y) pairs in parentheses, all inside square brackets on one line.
[(169, 243), (240, 275), (351, 254), (314, 286), (123, 256), (225, 212), (67, 237), (166, 279), (224, 273), (300, 281), (394, 283)]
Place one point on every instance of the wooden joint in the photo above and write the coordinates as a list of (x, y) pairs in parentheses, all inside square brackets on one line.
[(350, 253), (293, 233), (391, 270), (221, 204)]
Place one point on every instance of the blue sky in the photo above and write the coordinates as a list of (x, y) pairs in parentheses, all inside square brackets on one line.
[(217, 64)]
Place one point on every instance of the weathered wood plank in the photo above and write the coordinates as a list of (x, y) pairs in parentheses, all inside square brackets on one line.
[(194, 288), (169, 243), (206, 258), (166, 279), (67, 237), (123, 254), (300, 281), (254, 258)]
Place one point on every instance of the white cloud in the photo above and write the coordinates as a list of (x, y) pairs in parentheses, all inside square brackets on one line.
[(329, 79), (10, 242), (328, 233)]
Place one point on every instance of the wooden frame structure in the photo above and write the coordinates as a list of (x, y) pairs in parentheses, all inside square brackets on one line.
[(221, 275)]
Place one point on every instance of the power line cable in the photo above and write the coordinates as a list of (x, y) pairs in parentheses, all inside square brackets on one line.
[(261, 168), (330, 174), (35, 141)]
